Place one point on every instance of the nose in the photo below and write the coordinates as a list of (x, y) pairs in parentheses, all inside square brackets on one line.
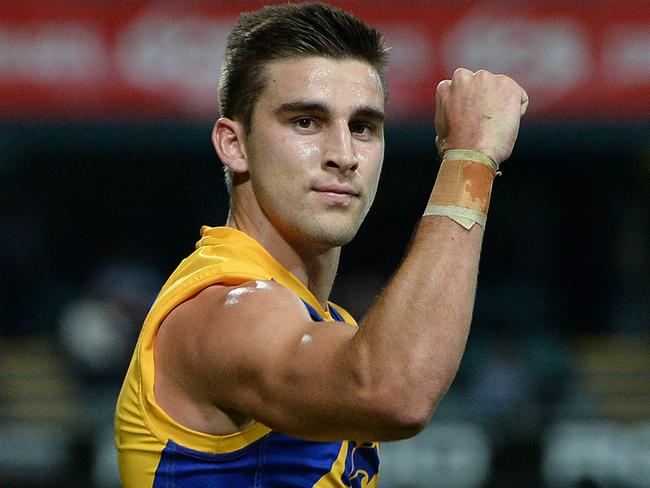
[(340, 153)]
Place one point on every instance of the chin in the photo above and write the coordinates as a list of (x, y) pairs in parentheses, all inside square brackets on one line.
[(306, 226), (337, 240), (327, 233), (334, 234)]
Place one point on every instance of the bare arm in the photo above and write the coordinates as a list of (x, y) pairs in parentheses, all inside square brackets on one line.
[(419, 325), (253, 349)]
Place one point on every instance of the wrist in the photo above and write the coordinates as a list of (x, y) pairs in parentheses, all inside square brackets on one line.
[(463, 187), (471, 155)]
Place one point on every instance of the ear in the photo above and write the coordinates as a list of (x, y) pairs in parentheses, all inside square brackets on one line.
[(228, 138)]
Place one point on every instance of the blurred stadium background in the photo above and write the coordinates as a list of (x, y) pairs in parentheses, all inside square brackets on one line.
[(107, 173)]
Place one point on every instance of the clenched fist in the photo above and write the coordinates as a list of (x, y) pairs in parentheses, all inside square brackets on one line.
[(479, 111)]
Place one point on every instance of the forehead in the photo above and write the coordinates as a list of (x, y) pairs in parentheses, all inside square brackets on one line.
[(337, 83)]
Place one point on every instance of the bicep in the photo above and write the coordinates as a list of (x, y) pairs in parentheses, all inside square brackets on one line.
[(254, 349)]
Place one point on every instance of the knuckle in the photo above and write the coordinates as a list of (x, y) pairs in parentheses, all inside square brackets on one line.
[(506, 80), (508, 83), (483, 73), (442, 91), (443, 85), (462, 73)]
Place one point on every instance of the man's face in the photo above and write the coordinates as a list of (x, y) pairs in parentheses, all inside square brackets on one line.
[(316, 147)]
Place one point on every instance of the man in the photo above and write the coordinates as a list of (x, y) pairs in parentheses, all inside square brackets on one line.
[(259, 380)]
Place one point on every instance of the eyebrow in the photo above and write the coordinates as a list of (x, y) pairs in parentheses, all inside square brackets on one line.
[(366, 111)]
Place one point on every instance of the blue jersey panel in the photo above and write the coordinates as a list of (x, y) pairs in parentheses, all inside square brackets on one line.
[(181, 467), (294, 463), (275, 460)]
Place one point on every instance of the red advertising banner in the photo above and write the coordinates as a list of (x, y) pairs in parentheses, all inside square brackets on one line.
[(147, 60)]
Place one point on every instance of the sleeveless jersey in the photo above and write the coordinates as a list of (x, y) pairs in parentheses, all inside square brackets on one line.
[(155, 451)]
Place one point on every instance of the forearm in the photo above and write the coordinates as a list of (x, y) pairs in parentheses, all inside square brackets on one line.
[(415, 334)]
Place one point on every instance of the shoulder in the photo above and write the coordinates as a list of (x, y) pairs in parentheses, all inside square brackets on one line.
[(219, 307), (254, 295)]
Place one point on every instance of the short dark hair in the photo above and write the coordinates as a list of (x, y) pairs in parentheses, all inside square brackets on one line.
[(289, 31)]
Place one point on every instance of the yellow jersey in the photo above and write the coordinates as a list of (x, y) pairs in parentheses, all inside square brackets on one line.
[(155, 451)]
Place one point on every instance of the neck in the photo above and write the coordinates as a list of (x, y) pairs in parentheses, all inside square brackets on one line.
[(314, 266)]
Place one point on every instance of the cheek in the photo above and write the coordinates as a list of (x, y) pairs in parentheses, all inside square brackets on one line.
[(299, 151), (374, 158), (372, 173), (308, 153), (285, 165), (293, 162)]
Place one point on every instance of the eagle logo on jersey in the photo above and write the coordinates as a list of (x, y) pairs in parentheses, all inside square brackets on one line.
[(361, 464)]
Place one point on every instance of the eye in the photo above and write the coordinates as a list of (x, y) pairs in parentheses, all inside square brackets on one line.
[(362, 128), (304, 122)]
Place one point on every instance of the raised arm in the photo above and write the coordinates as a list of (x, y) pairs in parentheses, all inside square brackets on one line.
[(252, 351), (414, 336)]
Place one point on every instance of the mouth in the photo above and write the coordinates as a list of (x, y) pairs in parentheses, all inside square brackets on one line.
[(337, 194)]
